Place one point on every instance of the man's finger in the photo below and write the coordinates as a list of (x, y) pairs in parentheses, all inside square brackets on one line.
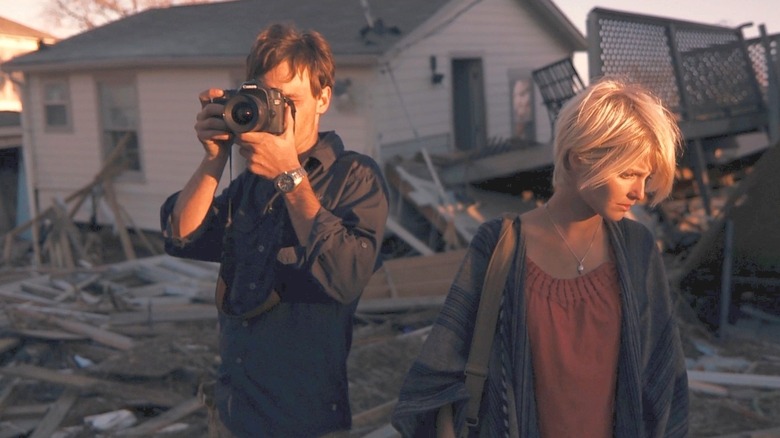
[(207, 96)]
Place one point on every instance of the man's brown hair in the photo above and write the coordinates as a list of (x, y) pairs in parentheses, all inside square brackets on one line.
[(304, 51)]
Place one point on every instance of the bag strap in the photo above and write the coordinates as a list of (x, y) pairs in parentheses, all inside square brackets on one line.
[(485, 326)]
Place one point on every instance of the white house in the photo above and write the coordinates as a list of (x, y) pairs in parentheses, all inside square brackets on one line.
[(435, 71), (15, 39)]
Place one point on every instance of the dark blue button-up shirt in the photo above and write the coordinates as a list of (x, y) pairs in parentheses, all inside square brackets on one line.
[(283, 372)]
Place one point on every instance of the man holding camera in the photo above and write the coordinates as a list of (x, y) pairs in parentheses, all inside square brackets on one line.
[(297, 235)]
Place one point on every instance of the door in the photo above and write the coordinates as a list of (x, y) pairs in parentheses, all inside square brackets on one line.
[(468, 103)]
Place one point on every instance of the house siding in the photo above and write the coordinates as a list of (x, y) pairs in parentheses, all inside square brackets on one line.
[(350, 115), (167, 99), (503, 33), (65, 162)]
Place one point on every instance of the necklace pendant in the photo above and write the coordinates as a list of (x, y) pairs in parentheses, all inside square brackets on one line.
[(580, 269)]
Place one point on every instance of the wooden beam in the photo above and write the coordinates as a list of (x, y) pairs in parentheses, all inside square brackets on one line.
[(374, 415), (756, 380), (116, 389), (119, 222), (167, 418), (765, 433), (190, 312), (56, 413), (104, 337), (399, 304)]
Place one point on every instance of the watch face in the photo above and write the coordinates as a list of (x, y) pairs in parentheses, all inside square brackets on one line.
[(285, 183), (288, 181)]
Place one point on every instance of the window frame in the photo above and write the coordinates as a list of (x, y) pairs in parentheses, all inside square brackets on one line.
[(106, 126), (65, 103)]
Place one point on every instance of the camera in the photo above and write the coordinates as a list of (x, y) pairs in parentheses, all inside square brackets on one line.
[(253, 107)]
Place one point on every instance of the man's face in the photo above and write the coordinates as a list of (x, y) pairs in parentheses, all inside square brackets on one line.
[(308, 108)]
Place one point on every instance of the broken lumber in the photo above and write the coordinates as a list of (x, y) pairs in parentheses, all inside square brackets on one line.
[(121, 390), (99, 335), (373, 415), (765, 433), (419, 276), (757, 380), (56, 413), (167, 418)]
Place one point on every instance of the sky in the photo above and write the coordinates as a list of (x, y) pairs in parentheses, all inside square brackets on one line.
[(728, 12), (725, 12)]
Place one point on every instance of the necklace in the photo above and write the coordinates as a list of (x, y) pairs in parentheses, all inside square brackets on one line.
[(580, 261)]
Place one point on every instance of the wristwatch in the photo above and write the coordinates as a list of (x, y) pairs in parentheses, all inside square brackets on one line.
[(286, 182)]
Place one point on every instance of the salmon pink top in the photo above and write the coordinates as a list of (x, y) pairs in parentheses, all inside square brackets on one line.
[(574, 330)]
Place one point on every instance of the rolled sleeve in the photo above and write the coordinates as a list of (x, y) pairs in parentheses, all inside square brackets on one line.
[(345, 241), (205, 243)]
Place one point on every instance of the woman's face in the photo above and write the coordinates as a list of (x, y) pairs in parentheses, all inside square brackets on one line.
[(620, 192)]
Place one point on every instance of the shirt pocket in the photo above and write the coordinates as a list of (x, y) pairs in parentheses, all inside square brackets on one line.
[(248, 245)]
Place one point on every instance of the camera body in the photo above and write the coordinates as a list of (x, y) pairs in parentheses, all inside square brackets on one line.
[(253, 107)]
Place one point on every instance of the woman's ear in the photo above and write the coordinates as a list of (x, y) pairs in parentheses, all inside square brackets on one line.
[(575, 166), (572, 161)]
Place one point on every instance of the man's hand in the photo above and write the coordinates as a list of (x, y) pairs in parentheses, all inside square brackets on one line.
[(269, 155), (209, 126)]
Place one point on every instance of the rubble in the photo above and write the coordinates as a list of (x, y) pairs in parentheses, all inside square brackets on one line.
[(118, 345)]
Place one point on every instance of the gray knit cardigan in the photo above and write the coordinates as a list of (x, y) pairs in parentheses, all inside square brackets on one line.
[(652, 385)]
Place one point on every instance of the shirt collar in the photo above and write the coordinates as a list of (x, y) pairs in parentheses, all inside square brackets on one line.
[(328, 147)]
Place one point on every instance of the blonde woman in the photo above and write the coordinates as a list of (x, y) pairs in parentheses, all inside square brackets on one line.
[(586, 343)]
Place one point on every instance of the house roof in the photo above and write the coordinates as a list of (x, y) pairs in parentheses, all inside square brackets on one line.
[(223, 32), (8, 27)]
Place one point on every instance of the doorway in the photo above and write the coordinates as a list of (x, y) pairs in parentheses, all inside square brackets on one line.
[(468, 103)]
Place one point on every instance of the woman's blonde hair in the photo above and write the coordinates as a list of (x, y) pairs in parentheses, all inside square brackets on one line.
[(610, 126)]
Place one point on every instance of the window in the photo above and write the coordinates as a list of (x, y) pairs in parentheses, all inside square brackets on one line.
[(56, 105), (119, 117)]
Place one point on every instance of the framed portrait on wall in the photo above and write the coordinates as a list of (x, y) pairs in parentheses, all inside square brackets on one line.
[(521, 100)]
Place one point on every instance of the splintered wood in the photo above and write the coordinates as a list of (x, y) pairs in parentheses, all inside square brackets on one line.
[(137, 336)]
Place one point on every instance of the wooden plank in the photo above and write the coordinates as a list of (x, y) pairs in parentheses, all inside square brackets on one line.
[(708, 388), (757, 380), (17, 428), (374, 415), (187, 269), (420, 289), (411, 277), (434, 260), (24, 297), (190, 312), (97, 318), (405, 235), (518, 160), (7, 344), (50, 335), (116, 389), (113, 203), (165, 419), (41, 289), (415, 276), (398, 304), (99, 335), (765, 433), (386, 431), (6, 392), (38, 410), (56, 413)]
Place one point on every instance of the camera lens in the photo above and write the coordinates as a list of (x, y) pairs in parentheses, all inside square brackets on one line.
[(243, 113)]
